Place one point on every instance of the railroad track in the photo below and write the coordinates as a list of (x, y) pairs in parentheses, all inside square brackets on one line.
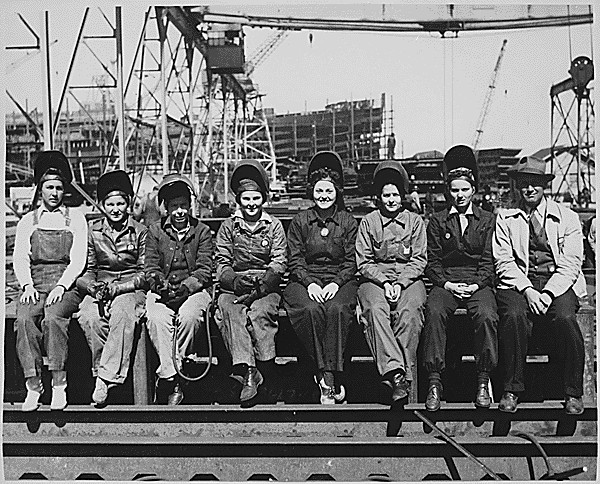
[(350, 442)]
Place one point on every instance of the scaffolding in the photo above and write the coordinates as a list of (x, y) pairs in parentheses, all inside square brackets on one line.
[(572, 134)]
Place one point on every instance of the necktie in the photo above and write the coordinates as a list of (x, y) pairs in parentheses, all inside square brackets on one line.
[(534, 224)]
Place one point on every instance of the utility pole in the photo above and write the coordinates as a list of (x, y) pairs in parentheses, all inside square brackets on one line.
[(46, 82)]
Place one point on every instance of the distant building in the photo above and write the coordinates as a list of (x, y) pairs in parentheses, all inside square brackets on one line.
[(356, 130)]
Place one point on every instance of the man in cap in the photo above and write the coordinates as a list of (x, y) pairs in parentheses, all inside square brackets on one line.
[(251, 258), (48, 257), (179, 251), (538, 252), (391, 254), (460, 266), (113, 284)]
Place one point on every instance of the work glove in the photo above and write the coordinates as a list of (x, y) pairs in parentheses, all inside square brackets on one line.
[(96, 288), (268, 283), (243, 284), (116, 288), (178, 298), (156, 282)]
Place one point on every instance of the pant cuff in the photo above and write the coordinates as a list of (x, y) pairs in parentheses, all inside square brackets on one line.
[(110, 376)]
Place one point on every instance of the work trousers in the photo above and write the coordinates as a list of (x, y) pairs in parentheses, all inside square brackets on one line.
[(111, 337), (483, 311), (161, 320), (322, 327), (516, 326), (44, 330), (392, 331), (248, 332)]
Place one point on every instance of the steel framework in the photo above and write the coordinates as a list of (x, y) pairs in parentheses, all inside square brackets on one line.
[(572, 134)]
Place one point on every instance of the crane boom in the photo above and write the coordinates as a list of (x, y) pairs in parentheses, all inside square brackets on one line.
[(488, 98), (265, 49)]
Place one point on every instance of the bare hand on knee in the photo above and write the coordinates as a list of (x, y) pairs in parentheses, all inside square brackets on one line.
[(329, 291), (55, 295), (315, 292), (30, 295), (535, 301)]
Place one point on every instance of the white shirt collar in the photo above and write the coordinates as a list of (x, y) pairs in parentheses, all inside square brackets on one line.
[(469, 210)]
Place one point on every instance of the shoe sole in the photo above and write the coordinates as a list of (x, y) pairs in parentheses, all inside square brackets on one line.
[(478, 405), (507, 411), (27, 410)]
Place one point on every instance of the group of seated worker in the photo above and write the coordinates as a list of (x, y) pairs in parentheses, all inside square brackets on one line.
[(510, 271)]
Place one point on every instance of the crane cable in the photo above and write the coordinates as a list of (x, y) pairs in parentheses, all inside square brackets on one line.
[(569, 24)]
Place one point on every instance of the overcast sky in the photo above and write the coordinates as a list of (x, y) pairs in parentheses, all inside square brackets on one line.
[(438, 85)]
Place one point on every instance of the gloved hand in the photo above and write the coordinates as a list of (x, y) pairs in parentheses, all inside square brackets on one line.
[(156, 282), (95, 289), (112, 290), (243, 284), (178, 298), (249, 298), (268, 283)]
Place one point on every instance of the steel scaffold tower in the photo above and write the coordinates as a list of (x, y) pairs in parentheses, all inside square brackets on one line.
[(572, 149)]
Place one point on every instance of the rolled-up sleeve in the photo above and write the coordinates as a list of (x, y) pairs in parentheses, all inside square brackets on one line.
[(78, 253), (22, 250), (415, 267)]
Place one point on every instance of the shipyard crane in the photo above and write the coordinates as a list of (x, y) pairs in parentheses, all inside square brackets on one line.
[(265, 50), (488, 98)]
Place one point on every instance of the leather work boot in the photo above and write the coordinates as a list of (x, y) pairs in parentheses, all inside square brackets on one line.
[(176, 395), (252, 379), (508, 403), (573, 405), (482, 398), (434, 398), (400, 387)]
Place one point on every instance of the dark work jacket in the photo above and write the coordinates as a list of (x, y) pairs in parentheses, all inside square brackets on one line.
[(120, 260), (460, 258), (197, 247), (313, 257)]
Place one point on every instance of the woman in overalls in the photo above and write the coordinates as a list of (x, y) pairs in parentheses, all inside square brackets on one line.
[(48, 257), (321, 296), (251, 258), (113, 284), (391, 255)]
